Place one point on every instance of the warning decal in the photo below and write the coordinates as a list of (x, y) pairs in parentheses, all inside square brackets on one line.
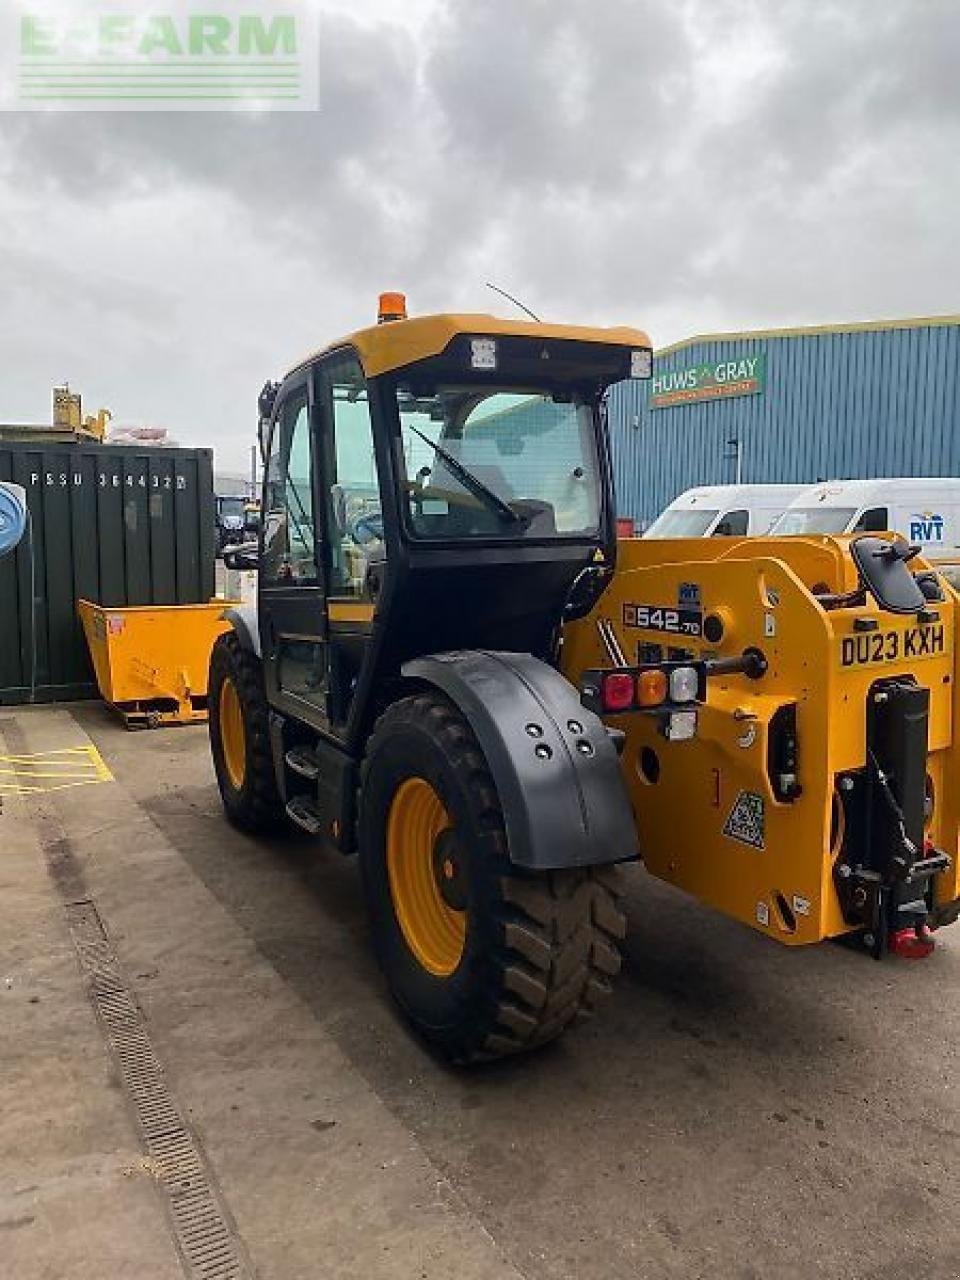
[(745, 821)]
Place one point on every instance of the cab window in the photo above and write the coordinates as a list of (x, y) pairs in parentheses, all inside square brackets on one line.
[(488, 462), (874, 520), (289, 548), (682, 524), (796, 520), (733, 525), (354, 517)]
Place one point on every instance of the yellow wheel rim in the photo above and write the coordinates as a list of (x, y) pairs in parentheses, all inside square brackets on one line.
[(433, 930), (233, 735)]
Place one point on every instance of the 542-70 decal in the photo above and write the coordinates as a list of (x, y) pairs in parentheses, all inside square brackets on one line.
[(873, 647), (681, 621)]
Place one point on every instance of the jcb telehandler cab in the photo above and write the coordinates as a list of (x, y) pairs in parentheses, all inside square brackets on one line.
[(454, 669), (437, 500)]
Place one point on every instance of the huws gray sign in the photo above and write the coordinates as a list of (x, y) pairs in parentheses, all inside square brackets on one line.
[(709, 380)]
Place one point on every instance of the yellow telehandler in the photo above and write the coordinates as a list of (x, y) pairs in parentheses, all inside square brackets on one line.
[(449, 671), (809, 790)]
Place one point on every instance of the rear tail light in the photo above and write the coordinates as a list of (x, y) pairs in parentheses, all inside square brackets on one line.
[(616, 690), (661, 687), (652, 688), (684, 684)]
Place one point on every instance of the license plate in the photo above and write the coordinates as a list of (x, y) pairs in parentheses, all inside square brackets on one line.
[(875, 648)]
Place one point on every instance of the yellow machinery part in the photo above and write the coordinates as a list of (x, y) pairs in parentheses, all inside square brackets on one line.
[(434, 931), (233, 734), (151, 661), (689, 796), (385, 347)]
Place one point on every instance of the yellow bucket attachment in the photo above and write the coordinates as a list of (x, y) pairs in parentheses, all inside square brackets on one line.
[(151, 661)]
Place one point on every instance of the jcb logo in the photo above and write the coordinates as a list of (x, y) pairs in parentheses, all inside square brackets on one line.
[(926, 528)]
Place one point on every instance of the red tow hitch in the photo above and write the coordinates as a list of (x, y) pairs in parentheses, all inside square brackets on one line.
[(912, 944)]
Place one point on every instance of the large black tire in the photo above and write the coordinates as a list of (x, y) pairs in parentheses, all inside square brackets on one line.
[(249, 792), (540, 949)]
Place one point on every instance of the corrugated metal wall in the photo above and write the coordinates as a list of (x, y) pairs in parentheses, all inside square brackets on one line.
[(856, 403)]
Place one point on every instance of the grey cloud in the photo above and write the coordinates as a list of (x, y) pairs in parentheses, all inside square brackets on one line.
[(566, 95), (682, 166)]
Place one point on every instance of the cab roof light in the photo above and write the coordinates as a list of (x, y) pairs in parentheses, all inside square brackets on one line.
[(392, 306)]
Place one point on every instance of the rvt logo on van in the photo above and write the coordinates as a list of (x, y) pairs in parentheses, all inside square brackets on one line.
[(927, 527)]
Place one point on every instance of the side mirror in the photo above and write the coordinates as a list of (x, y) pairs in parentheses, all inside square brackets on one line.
[(265, 402), (883, 570), (244, 556), (13, 516)]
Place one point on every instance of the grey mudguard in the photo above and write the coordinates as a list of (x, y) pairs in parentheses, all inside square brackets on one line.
[(556, 770), (243, 619)]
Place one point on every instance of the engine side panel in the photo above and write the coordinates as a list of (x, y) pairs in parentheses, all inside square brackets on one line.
[(745, 815)]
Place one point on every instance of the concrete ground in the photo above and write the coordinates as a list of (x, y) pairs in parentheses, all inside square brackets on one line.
[(739, 1110)]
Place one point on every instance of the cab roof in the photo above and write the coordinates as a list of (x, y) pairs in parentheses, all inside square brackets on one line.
[(398, 343)]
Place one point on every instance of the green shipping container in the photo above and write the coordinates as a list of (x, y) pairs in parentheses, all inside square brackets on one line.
[(116, 524)]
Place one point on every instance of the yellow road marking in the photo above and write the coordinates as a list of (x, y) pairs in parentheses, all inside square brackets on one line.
[(82, 752), (52, 770), (77, 775), (22, 763)]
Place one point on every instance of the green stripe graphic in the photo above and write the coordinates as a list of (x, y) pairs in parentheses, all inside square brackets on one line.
[(173, 79), (119, 81), (155, 62), (157, 97)]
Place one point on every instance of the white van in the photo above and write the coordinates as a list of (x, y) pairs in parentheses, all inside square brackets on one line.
[(926, 512), (723, 510)]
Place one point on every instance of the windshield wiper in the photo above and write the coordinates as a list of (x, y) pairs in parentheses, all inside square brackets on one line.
[(472, 482)]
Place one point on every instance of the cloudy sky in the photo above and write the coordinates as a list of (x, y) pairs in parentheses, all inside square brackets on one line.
[(682, 165)]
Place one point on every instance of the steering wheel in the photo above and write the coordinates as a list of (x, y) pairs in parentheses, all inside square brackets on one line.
[(366, 528)]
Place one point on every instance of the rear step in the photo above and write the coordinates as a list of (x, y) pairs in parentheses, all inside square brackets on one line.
[(303, 762), (303, 811)]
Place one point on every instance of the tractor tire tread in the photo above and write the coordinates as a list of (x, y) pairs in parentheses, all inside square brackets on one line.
[(559, 929), (563, 929), (263, 810)]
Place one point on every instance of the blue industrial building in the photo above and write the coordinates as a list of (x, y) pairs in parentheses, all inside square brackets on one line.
[(792, 406)]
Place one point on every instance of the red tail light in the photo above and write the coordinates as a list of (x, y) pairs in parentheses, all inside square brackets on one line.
[(649, 688), (616, 691)]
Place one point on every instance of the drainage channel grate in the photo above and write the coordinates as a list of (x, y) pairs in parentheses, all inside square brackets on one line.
[(209, 1247)]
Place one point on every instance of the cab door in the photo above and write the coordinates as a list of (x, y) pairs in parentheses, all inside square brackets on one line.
[(292, 614), (352, 533)]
